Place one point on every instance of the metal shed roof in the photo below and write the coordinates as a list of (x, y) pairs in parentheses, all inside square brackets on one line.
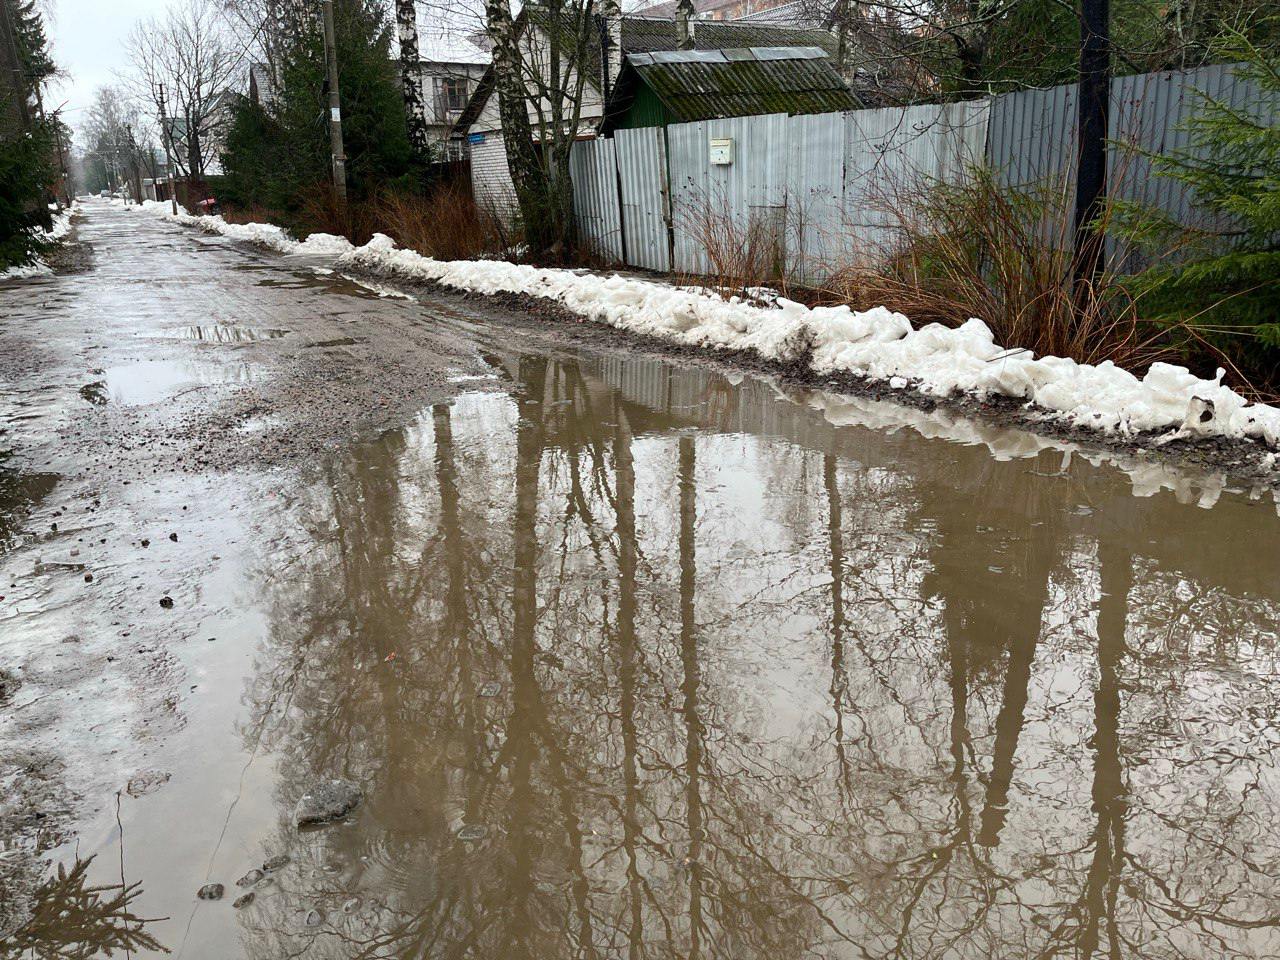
[(649, 34)]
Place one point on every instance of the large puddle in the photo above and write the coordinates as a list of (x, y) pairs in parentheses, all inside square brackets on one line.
[(151, 381), (634, 661)]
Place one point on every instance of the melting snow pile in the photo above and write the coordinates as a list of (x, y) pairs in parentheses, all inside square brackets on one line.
[(262, 234), (38, 268), (877, 343)]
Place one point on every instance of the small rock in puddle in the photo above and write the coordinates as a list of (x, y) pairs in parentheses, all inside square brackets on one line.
[(491, 689), (472, 832), (325, 802), (95, 393), (314, 918), (275, 863), (166, 602), (250, 878), (243, 900), (211, 891), (9, 684)]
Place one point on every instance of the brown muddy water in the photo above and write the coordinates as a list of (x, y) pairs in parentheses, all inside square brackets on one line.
[(629, 658), (632, 660)]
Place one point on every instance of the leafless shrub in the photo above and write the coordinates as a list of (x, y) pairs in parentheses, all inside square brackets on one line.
[(740, 255), (981, 249)]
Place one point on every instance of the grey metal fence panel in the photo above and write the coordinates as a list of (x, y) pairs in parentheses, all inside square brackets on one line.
[(1032, 136), (642, 169), (815, 191), (891, 154), (1150, 114), (593, 170), (1033, 143), (742, 205)]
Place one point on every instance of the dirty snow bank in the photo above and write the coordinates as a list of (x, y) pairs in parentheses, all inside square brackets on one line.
[(38, 268), (877, 343), (261, 234)]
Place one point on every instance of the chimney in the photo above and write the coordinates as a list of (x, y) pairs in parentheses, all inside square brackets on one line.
[(611, 28), (685, 16)]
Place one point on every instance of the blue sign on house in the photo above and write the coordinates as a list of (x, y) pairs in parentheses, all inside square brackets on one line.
[(475, 138)]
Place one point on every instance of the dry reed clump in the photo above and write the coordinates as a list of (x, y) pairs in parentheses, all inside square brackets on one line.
[(983, 250), (447, 224)]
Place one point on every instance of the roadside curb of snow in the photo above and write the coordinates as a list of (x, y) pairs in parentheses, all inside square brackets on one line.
[(872, 352)]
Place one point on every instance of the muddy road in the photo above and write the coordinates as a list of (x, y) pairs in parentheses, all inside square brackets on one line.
[(622, 657)]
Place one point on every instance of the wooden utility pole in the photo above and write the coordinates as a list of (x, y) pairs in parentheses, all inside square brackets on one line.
[(335, 110), (1094, 103), (168, 155)]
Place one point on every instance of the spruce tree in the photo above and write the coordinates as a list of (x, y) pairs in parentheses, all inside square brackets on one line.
[(28, 158), (1224, 276), (277, 154)]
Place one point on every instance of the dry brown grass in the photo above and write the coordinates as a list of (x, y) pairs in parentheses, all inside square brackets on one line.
[(982, 250), (447, 224)]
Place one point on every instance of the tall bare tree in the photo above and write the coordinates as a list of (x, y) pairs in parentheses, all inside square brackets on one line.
[(118, 141), (184, 64), (542, 62), (415, 108)]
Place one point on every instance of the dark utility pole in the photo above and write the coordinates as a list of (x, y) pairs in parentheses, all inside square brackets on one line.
[(1091, 175), (168, 154), (335, 110)]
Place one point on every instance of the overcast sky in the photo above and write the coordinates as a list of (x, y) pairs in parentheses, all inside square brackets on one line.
[(89, 41), (89, 44)]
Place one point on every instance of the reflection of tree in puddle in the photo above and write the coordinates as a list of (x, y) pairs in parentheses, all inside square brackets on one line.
[(757, 699), (72, 919), (19, 493)]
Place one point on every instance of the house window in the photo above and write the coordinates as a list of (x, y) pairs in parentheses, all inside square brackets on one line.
[(453, 94)]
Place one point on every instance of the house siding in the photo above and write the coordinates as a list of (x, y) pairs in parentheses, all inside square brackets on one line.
[(491, 177)]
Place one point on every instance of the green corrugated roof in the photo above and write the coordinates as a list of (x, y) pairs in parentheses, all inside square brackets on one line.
[(705, 85), (649, 35)]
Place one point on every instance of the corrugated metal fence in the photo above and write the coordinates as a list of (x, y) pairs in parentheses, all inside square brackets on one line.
[(1032, 140), (813, 192)]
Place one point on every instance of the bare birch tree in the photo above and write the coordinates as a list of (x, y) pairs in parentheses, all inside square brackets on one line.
[(118, 140), (415, 109), (542, 62)]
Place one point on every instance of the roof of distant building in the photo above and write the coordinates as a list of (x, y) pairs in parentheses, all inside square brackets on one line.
[(710, 84), (658, 34)]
